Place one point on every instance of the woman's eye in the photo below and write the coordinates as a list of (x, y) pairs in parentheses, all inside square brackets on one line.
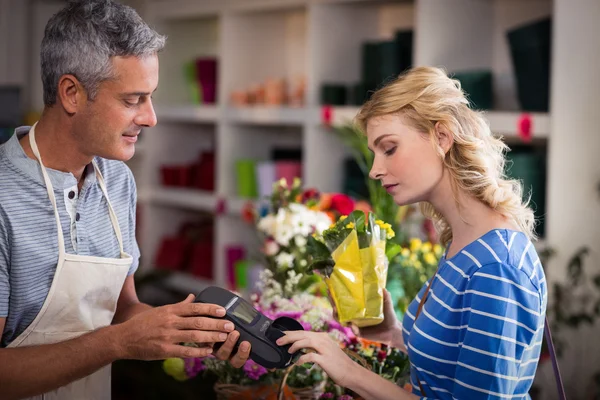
[(390, 151)]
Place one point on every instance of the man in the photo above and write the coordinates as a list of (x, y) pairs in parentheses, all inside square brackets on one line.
[(68, 305)]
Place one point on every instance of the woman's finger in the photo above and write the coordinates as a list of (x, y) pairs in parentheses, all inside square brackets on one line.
[(309, 358), (292, 336), (301, 344)]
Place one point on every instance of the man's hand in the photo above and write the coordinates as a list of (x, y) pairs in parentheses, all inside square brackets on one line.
[(239, 358), (158, 333)]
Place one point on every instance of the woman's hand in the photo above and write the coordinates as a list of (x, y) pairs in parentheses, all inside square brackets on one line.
[(389, 331), (327, 354)]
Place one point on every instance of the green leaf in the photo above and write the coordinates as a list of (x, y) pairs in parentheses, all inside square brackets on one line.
[(323, 266), (317, 249), (358, 218), (392, 250)]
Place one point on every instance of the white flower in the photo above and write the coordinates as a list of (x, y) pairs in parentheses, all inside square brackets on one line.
[(292, 281), (300, 241), (284, 260), (267, 224), (303, 263), (321, 222)]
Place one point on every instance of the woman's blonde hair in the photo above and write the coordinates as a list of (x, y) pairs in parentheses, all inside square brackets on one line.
[(425, 96)]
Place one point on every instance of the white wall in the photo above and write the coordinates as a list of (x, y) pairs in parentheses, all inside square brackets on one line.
[(574, 166)]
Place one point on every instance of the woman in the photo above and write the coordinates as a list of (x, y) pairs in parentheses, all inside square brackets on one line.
[(480, 319)]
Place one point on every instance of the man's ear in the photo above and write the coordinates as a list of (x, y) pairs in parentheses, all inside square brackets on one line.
[(71, 93), (444, 136)]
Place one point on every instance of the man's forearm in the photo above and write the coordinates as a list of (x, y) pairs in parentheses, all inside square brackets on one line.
[(122, 315), (29, 371), (369, 385)]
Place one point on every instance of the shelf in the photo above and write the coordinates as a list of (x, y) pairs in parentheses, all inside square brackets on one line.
[(267, 115), (165, 10), (184, 198), (235, 205), (193, 199), (506, 123), (501, 122), (188, 113), (335, 115), (266, 5)]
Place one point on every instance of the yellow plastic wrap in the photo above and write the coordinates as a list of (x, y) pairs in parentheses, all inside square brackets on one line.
[(358, 279)]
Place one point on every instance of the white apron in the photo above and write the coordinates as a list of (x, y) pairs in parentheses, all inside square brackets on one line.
[(83, 297)]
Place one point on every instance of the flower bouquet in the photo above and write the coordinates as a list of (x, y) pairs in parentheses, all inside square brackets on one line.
[(353, 255), (292, 216)]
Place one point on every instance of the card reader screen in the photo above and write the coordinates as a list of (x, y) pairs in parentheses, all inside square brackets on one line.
[(244, 311)]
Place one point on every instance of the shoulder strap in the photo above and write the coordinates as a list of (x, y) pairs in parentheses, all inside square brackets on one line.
[(559, 382)]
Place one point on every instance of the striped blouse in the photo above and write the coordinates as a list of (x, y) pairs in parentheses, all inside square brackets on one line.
[(479, 334)]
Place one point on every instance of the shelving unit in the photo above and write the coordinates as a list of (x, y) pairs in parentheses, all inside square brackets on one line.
[(265, 39)]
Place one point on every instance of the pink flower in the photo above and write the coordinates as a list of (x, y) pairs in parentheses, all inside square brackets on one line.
[(271, 247), (306, 325), (345, 397), (326, 395), (253, 370), (193, 366)]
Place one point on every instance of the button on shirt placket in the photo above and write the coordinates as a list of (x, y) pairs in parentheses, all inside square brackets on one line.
[(71, 197)]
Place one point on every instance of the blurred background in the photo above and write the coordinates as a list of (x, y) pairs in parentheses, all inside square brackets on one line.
[(252, 91)]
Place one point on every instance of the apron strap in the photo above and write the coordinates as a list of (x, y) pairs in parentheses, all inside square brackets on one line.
[(111, 211), (50, 190)]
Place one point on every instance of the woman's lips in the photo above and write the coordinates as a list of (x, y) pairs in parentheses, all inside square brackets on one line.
[(390, 188)]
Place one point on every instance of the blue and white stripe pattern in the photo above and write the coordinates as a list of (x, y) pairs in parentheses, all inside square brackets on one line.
[(480, 331), (28, 238)]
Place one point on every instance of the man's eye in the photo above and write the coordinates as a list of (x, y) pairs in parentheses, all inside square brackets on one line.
[(133, 102)]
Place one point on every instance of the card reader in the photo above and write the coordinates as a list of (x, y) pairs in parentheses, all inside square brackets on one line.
[(254, 327)]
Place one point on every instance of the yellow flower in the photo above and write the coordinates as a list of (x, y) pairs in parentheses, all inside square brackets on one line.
[(437, 249), (426, 247), (343, 217), (350, 225), (415, 244), (413, 258), (389, 232), (331, 226), (405, 253), (429, 258), (418, 265)]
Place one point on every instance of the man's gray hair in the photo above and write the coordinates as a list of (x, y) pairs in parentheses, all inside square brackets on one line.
[(82, 38)]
